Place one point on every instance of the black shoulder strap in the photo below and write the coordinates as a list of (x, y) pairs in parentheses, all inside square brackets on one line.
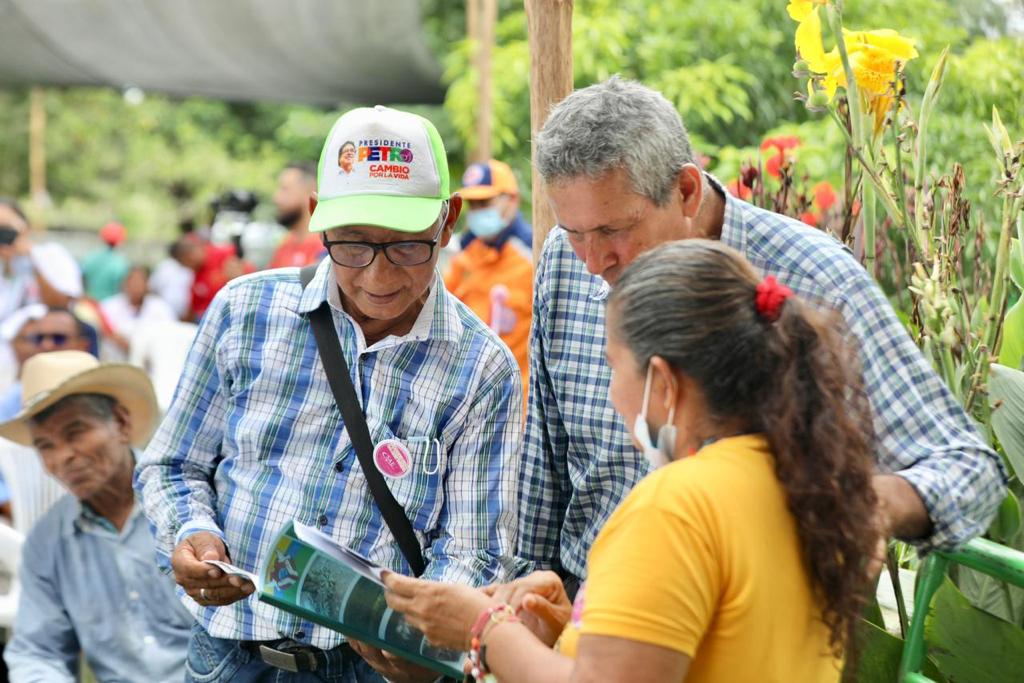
[(338, 377)]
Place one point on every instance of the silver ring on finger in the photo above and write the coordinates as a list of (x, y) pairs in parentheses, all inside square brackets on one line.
[(202, 594)]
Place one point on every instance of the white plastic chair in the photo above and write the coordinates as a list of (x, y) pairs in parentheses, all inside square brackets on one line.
[(32, 490), (10, 559)]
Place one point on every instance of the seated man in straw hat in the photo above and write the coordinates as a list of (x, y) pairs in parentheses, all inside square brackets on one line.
[(89, 584)]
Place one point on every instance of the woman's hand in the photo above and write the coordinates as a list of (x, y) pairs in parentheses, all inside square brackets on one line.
[(544, 606), (444, 612)]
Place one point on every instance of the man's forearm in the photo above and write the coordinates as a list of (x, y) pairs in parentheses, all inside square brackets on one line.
[(903, 512)]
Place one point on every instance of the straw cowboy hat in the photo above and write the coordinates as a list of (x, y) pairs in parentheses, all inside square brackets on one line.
[(48, 377)]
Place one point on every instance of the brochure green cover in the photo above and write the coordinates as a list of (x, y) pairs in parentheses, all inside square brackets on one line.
[(311, 576)]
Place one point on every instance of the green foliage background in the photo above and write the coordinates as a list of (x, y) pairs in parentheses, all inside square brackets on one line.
[(725, 65)]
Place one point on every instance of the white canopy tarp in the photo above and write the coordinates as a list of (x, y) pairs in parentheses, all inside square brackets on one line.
[(312, 51)]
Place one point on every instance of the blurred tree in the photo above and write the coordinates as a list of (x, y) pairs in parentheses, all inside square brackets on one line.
[(726, 67)]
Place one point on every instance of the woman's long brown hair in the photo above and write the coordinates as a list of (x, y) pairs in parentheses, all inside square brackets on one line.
[(795, 379)]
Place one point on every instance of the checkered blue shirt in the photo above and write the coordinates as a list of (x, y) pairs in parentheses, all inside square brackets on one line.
[(253, 440), (579, 462)]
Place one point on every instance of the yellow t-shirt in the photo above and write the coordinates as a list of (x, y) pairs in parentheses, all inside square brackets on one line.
[(703, 558)]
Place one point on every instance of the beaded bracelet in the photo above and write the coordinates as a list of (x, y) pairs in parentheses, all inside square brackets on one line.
[(493, 615)]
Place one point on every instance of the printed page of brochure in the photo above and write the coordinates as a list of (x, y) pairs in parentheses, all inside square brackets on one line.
[(313, 577)]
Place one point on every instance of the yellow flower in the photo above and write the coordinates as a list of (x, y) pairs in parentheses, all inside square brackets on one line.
[(874, 58), (808, 35), (801, 9)]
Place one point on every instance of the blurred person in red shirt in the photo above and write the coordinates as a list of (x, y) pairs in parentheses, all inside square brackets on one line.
[(219, 265), (299, 247)]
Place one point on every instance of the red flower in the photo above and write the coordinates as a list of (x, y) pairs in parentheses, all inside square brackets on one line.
[(783, 144), (738, 189), (810, 218), (824, 196)]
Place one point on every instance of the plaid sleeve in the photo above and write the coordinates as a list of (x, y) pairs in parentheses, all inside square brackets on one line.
[(923, 433), (174, 477), (542, 498), (476, 543)]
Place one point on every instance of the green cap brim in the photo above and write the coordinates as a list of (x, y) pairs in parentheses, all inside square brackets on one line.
[(404, 214)]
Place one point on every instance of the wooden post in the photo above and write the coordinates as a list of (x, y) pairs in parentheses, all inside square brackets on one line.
[(549, 23), (487, 16), (37, 147)]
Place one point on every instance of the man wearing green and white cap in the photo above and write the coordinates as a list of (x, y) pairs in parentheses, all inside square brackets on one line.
[(254, 439)]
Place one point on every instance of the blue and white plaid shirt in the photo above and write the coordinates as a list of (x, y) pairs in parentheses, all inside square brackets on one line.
[(253, 440), (579, 461)]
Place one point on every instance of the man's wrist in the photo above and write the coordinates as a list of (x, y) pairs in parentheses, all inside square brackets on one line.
[(901, 508)]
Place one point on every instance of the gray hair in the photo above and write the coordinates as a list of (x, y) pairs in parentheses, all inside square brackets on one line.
[(97, 406), (617, 123)]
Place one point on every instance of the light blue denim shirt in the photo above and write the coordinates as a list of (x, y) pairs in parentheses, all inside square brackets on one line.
[(88, 588)]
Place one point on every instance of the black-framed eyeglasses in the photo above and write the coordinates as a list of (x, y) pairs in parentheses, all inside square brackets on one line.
[(58, 338), (407, 253)]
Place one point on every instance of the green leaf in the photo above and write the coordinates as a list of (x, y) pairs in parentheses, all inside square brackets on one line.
[(1007, 521), (989, 593), (879, 660), (1017, 263), (1011, 350), (969, 644), (1006, 397), (873, 611)]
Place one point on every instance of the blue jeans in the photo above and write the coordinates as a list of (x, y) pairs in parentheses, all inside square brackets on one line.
[(215, 660)]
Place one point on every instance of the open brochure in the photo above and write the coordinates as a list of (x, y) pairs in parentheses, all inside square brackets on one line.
[(308, 574)]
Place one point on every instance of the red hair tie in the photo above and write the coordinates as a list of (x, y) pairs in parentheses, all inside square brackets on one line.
[(770, 297)]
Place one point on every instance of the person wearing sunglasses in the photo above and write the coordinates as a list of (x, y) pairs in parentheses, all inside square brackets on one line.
[(32, 330), (254, 439), (29, 331)]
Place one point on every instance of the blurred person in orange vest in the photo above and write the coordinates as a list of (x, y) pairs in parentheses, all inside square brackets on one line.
[(299, 247), (493, 274)]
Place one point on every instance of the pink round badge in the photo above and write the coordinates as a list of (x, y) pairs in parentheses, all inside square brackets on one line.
[(392, 458)]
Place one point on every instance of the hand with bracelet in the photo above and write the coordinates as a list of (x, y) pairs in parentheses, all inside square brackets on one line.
[(508, 629)]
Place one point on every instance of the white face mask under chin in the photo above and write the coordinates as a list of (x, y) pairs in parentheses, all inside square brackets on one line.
[(662, 453)]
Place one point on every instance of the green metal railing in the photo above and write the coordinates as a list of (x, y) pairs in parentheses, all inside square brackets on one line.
[(1005, 564)]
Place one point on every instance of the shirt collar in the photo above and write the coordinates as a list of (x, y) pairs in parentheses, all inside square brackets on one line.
[(439, 319), (733, 234), (86, 520)]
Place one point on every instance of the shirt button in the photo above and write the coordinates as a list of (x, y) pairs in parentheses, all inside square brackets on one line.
[(323, 520), (339, 466), (149, 640), (134, 595)]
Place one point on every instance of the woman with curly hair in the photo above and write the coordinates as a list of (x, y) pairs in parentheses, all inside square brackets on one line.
[(744, 556)]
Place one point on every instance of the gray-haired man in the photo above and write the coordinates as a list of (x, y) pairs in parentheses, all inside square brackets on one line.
[(622, 179)]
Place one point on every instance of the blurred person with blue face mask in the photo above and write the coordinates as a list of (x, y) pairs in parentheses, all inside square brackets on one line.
[(493, 274)]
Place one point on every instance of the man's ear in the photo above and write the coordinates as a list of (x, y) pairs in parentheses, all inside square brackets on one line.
[(312, 202), (454, 211), (691, 189), (123, 420)]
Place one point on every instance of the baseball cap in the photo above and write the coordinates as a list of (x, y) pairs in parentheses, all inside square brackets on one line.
[(488, 179), (383, 167), (113, 234)]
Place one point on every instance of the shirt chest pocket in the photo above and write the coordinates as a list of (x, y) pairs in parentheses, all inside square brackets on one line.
[(413, 468)]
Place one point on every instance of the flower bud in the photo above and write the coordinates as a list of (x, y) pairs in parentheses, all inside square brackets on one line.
[(818, 101)]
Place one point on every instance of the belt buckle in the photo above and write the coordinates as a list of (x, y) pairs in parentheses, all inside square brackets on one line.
[(287, 661)]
